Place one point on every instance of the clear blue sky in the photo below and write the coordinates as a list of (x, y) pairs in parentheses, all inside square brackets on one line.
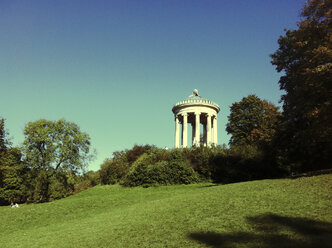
[(116, 68)]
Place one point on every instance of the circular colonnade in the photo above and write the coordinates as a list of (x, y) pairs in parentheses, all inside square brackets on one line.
[(202, 115)]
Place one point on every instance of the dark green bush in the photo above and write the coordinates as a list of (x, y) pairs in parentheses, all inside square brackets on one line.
[(48, 185), (114, 170), (149, 170), (163, 167), (12, 173), (200, 159), (138, 174), (242, 163), (93, 177), (84, 185), (38, 190), (58, 187), (134, 153)]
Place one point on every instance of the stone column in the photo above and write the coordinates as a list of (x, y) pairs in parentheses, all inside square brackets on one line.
[(215, 131), (204, 134), (193, 133), (177, 133), (185, 130), (197, 128), (212, 131), (208, 136)]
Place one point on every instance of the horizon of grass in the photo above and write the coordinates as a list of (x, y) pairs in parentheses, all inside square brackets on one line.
[(265, 213)]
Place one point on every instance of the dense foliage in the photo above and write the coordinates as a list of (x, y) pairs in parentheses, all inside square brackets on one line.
[(47, 166), (13, 184), (183, 166), (4, 142), (114, 169), (12, 170), (305, 58), (55, 144), (160, 167), (252, 121)]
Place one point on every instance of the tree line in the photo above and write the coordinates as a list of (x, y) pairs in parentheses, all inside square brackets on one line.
[(300, 137), (265, 142)]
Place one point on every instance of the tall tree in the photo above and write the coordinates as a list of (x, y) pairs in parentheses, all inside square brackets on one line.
[(12, 170), (4, 142), (3, 148), (12, 186), (56, 145), (305, 57), (252, 121)]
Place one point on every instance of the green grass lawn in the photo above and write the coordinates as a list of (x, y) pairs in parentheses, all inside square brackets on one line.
[(266, 213)]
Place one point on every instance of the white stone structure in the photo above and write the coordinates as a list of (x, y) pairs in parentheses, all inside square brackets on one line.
[(196, 111)]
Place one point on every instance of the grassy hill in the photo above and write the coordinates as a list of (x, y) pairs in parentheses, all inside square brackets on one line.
[(267, 213)]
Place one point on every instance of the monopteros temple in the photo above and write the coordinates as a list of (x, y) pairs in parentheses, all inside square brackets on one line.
[(202, 115)]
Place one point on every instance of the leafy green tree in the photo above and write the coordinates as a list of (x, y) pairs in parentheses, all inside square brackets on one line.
[(12, 184), (2, 135), (114, 169), (305, 58), (12, 170), (52, 149), (3, 148), (252, 121), (39, 187), (4, 140), (59, 186), (59, 145)]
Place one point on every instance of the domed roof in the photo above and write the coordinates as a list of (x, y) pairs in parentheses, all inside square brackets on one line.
[(195, 99)]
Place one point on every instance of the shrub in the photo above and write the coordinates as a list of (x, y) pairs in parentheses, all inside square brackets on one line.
[(47, 185), (93, 177), (84, 185), (148, 170), (243, 163), (113, 170), (58, 187), (38, 191), (177, 166), (134, 153), (200, 159), (137, 174)]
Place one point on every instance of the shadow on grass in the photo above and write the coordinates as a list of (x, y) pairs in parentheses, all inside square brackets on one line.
[(272, 231), (210, 185)]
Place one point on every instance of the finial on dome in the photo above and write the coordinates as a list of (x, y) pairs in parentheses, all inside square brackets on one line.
[(195, 92)]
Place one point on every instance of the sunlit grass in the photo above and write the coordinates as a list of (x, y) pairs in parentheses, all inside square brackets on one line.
[(267, 213)]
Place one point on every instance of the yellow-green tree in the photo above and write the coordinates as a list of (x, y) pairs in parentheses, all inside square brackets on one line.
[(56, 145), (52, 148), (252, 121)]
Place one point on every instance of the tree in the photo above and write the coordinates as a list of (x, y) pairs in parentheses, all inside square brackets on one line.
[(252, 121), (12, 170), (305, 57), (12, 186), (114, 169), (3, 148), (57, 145), (4, 142)]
